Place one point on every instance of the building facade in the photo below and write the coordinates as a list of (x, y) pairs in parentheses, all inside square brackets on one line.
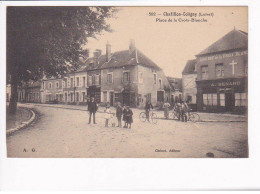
[(126, 76), (189, 88), (222, 74), (131, 78), (51, 90), (176, 90)]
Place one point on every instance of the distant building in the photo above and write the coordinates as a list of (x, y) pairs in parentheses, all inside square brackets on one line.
[(176, 89), (29, 92), (51, 90), (189, 76), (222, 74), (126, 76)]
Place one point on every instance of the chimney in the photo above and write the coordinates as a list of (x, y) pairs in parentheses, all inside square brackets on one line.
[(97, 54), (132, 46), (108, 51)]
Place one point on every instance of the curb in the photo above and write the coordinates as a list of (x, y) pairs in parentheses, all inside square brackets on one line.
[(217, 121), (23, 125)]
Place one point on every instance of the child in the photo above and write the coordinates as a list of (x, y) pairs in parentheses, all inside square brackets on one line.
[(129, 117), (113, 120), (124, 116), (107, 115)]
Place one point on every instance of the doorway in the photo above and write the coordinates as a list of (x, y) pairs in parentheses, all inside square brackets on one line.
[(126, 98), (228, 101), (111, 98)]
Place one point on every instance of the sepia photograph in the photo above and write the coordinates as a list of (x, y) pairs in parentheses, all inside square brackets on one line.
[(127, 82)]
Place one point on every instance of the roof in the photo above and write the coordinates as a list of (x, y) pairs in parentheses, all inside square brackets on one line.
[(119, 59), (190, 67), (235, 39), (175, 83)]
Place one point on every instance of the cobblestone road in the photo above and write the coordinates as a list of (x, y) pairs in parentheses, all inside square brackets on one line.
[(66, 133)]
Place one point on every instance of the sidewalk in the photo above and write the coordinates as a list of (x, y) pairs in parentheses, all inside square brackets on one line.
[(204, 117)]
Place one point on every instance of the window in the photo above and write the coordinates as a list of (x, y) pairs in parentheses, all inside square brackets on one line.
[(126, 76), (50, 85), (83, 96), (210, 99), (63, 84), (84, 81), (66, 97), (154, 78), (77, 96), (160, 84), (219, 70), (68, 82), (140, 77), (105, 96), (109, 78), (90, 80), (93, 80), (71, 82), (204, 72), (77, 81), (222, 99), (240, 99), (43, 85), (214, 99), (99, 79), (57, 84)]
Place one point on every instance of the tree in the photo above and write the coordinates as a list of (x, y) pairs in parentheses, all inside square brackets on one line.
[(49, 40)]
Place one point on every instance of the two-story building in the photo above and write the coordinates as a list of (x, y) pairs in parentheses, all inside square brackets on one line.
[(51, 90), (176, 89), (189, 88), (222, 74), (126, 76), (74, 87), (29, 92)]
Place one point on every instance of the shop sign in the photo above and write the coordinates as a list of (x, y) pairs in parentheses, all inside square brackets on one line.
[(223, 56), (226, 83)]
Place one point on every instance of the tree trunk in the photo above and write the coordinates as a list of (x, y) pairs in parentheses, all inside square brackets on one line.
[(14, 96)]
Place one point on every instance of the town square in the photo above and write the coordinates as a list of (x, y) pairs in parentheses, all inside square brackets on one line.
[(103, 86)]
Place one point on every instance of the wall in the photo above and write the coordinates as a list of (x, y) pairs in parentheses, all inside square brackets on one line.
[(80, 87), (189, 87), (49, 94), (240, 57)]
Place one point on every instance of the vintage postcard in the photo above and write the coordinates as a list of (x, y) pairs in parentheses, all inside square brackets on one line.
[(127, 82)]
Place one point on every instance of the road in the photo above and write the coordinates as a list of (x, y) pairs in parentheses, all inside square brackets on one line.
[(62, 133)]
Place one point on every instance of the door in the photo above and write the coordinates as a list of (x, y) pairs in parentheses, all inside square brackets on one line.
[(111, 98), (126, 98), (228, 101)]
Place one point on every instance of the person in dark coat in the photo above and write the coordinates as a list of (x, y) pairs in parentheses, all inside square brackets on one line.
[(148, 107), (129, 116), (92, 108), (124, 116), (119, 113)]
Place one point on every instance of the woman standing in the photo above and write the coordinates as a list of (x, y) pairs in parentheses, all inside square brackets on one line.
[(129, 117), (166, 107)]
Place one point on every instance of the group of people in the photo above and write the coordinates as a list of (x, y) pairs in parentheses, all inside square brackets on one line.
[(122, 112), (182, 109), (126, 114)]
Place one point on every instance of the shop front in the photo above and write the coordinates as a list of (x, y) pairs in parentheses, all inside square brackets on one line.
[(222, 95)]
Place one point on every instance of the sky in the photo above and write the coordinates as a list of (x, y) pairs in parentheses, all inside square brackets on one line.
[(169, 44)]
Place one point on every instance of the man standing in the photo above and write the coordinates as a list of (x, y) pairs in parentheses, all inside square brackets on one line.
[(119, 112), (147, 108), (92, 108)]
